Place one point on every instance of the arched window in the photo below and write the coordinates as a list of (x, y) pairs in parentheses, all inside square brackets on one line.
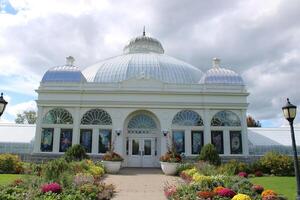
[(58, 116), (141, 121), (96, 117), (225, 118), (187, 118)]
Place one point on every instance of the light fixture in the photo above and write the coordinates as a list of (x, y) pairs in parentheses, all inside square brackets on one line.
[(289, 112), (3, 104), (165, 132), (118, 132)]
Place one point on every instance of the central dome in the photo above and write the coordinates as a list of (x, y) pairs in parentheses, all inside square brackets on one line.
[(143, 58)]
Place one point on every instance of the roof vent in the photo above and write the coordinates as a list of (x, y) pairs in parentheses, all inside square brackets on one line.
[(70, 60), (216, 63)]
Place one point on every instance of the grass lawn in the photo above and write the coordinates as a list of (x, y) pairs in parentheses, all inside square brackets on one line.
[(8, 178), (282, 185)]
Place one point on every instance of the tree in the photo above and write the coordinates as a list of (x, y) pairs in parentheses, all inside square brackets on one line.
[(27, 117), (251, 122)]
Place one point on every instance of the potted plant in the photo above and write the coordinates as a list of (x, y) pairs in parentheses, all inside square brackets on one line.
[(170, 160), (111, 160)]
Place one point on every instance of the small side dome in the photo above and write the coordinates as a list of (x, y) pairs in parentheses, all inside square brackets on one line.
[(143, 44), (67, 73), (218, 75)]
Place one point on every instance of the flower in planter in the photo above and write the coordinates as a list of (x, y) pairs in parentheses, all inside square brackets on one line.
[(241, 197), (268, 193), (205, 194), (112, 156), (226, 192), (258, 188), (258, 174), (243, 174), (171, 155), (51, 187), (170, 190)]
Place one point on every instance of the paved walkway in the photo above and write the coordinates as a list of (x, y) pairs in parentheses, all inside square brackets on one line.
[(140, 183)]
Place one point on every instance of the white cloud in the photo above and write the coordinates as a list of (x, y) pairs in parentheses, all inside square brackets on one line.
[(19, 108)]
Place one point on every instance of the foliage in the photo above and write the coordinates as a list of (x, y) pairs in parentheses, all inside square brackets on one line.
[(83, 178), (112, 156), (233, 167), (27, 117), (184, 166), (96, 171), (209, 153), (10, 164), (53, 169), (277, 164), (205, 168), (171, 156), (76, 153), (251, 122), (258, 174)]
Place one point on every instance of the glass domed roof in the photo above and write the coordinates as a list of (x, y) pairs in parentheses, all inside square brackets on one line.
[(143, 58), (218, 75)]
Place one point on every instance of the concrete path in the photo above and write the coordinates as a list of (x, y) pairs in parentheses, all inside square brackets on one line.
[(140, 183)]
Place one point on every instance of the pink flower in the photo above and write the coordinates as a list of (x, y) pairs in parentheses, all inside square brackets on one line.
[(51, 187), (170, 191), (226, 192), (258, 174), (258, 188), (243, 174)]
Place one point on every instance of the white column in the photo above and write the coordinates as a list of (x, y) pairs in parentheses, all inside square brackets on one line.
[(56, 139), (38, 130), (226, 142), (207, 129), (244, 132), (95, 138), (76, 126)]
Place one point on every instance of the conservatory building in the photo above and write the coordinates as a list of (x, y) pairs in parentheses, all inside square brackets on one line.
[(138, 104)]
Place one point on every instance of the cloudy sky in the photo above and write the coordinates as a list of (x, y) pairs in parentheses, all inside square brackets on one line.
[(258, 39)]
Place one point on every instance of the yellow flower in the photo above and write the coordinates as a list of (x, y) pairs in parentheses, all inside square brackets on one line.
[(241, 197)]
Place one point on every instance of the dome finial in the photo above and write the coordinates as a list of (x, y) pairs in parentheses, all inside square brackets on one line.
[(144, 32), (70, 60), (216, 62)]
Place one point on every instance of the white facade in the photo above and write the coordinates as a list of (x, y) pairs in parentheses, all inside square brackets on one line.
[(134, 99)]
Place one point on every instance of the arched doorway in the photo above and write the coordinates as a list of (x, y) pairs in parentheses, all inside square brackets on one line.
[(142, 139)]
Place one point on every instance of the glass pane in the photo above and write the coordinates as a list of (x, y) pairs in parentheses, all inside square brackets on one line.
[(147, 147), (135, 147), (187, 118), (217, 140), (86, 139), (65, 139), (178, 141), (47, 139), (197, 141), (104, 141), (236, 146)]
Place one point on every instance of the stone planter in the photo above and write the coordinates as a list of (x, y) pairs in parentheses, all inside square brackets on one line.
[(169, 168), (112, 167)]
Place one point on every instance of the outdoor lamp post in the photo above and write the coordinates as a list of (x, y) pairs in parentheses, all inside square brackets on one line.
[(289, 112), (2, 104)]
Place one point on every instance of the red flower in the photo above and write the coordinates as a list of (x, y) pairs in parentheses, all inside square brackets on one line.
[(206, 194), (226, 192), (51, 187), (243, 174)]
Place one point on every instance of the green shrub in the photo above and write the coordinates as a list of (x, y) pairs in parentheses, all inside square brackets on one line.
[(75, 153), (205, 168), (10, 164), (277, 164), (233, 167), (54, 169), (209, 153), (184, 166)]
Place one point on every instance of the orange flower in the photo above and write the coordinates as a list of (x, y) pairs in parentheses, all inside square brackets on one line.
[(268, 193), (217, 189), (205, 194)]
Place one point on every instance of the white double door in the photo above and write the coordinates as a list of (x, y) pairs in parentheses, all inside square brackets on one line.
[(142, 152)]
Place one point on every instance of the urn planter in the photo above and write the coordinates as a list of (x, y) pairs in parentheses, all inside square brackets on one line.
[(112, 167), (169, 168)]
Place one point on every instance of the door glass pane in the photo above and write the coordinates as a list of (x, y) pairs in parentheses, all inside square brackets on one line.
[(86, 139), (217, 140), (135, 147), (197, 141), (65, 139), (236, 142), (47, 139), (147, 147), (178, 140), (104, 141)]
